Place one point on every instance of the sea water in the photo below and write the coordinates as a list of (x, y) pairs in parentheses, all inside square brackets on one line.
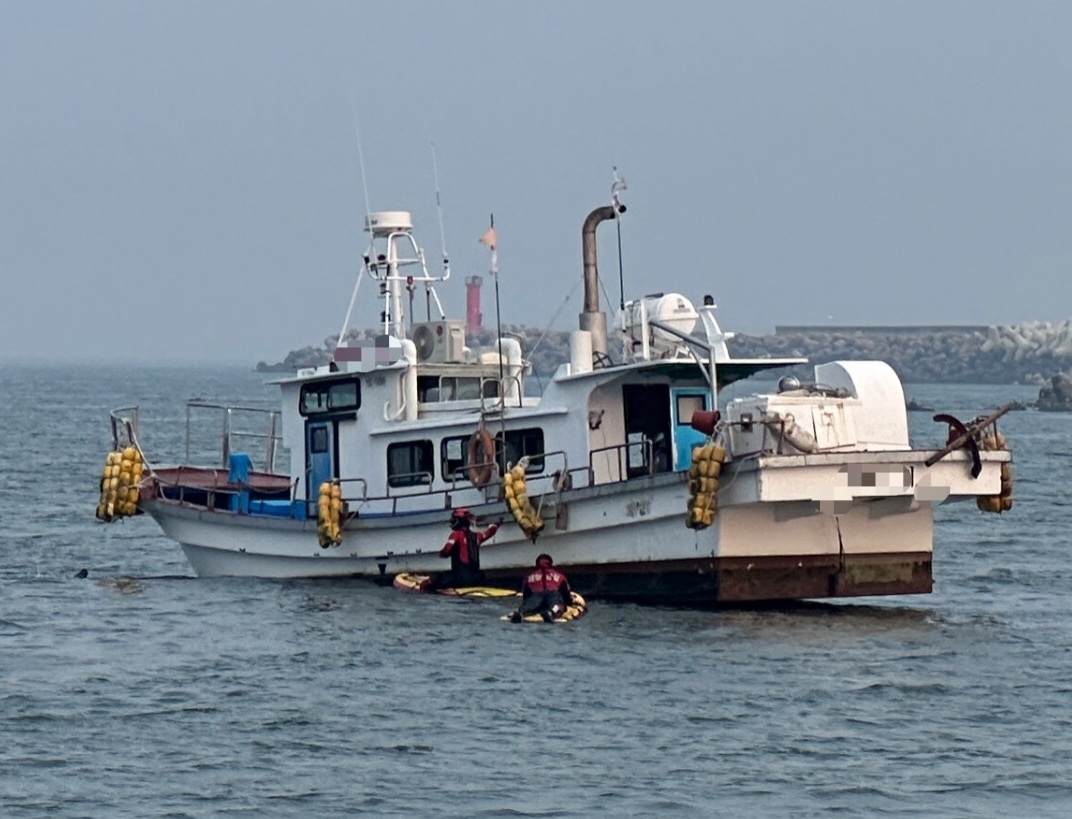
[(140, 691)]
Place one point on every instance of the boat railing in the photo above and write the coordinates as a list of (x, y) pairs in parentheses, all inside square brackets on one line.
[(394, 501), (361, 481), (459, 480), (410, 480), (497, 403), (295, 488), (547, 482), (124, 422), (504, 382), (235, 421), (561, 478), (621, 455), (204, 492)]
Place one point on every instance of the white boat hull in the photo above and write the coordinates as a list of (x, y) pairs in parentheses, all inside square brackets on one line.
[(629, 539)]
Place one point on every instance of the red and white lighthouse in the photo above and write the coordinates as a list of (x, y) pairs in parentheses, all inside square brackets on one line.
[(474, 319)]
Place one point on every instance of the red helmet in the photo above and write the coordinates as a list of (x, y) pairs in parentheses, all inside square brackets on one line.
[(461, 516), (543, 561)]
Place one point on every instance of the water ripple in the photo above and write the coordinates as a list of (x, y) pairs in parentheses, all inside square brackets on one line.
[(141, 692)]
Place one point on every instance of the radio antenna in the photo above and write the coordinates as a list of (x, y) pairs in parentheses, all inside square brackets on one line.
[(361, 163), (615, 191), (368, 214), (439, 210)]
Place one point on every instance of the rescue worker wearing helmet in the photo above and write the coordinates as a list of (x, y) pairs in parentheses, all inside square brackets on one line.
[(546, 591), (463, 549)]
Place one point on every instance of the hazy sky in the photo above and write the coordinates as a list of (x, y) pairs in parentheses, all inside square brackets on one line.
[(181, 180)]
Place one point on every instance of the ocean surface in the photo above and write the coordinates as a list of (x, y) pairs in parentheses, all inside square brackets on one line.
[(141, 691)]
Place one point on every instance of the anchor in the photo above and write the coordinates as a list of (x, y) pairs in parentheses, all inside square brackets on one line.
[(963, 437)]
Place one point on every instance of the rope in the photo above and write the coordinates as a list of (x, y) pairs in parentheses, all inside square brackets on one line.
[(350, 309), (719, 439), (561, 307), (603, 287)]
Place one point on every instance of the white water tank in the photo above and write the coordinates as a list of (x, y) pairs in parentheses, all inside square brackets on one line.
[(671, 309)]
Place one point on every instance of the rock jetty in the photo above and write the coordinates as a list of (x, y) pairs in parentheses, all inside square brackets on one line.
[(1056, 396), (1027, 353), (309, 356)]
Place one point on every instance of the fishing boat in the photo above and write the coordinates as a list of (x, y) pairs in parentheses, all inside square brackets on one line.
[(625, 467)]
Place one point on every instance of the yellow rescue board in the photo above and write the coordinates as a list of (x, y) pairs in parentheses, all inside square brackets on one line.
[(578, 607), (412, 582)]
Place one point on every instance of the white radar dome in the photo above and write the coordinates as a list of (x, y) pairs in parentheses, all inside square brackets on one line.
[(386, 221)]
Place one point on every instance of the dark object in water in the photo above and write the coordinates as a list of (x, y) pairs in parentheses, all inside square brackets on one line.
[(82, 574), (1057, 395), (912, 405)]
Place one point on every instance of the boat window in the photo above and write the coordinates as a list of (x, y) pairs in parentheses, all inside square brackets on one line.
[(427, 388), (342, 396), (318, 439), (452, 388), (521, 442), (468, 388), (330, 396), (409, 463), (452, 454), (686, 406), (432, 388), (638, 452)]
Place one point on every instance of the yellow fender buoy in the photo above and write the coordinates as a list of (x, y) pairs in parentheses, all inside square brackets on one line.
[(1001, 502), (120, 484), (706, 466), (517, 500), (329, 509)]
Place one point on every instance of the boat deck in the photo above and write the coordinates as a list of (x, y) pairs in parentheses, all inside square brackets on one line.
[(194, 477)]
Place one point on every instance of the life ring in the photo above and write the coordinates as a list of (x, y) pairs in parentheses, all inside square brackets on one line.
[(480, 456)]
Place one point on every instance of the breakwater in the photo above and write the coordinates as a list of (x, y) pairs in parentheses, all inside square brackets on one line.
[(1027, 353)]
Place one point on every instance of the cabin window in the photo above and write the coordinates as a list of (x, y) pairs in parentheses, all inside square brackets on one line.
[(639, 445), (409, 463), (433, 388), (427, 388), (330, 396), (452, 388), (521, 442), (452, 454), (686, 406), (318, 440), (342, 396)]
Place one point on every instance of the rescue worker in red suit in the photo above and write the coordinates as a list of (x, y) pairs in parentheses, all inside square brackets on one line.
[(463, 549), (545, 592)]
